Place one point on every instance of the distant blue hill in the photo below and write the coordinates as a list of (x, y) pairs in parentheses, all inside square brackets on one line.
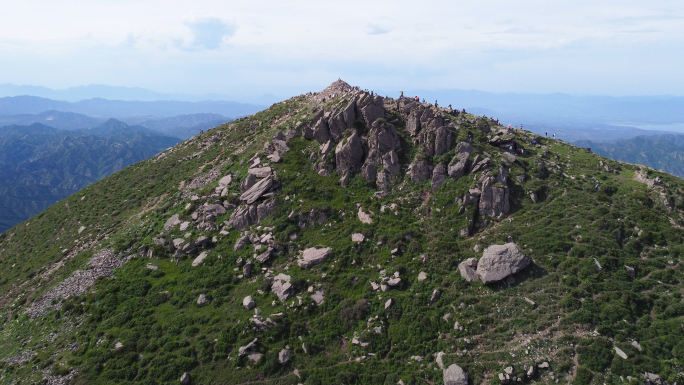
[(104, 108), (41, 165)]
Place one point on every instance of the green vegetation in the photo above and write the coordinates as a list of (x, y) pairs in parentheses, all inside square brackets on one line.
[(145, 326)]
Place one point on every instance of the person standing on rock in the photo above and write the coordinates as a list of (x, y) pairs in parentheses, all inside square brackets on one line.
[(402, 95)]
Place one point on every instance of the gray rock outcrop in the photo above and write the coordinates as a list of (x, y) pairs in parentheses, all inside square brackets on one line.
[(439, 175), (501, 261), (494, 200), (420, 171), (349, 154)]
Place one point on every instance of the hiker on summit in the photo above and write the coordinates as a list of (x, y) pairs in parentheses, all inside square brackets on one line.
[(402, 95), (436, 105)]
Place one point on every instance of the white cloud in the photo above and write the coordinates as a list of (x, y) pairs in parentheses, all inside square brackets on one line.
[(208, 33), (374, 29), (213, 44)]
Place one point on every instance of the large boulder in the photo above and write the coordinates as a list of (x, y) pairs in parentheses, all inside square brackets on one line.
[(257, 190), (313, 256), (282, 287), (454, 375), (500, 261)]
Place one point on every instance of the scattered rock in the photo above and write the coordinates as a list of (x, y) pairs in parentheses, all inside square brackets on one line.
[(389, 303), (357, 237), (263, 257), (454, 375), (422, 276), (394, 282), (225, 181), (185, 379), (80, 229), (652, 379), (544, 365), (241, 243), (250, 347), (364, 217), (248, 302), (636, 345), (417, 358), (620, 353), (500, 261), (281, 287), (313, 256), (202, 300), (284, 356), (438, 360), (435, 296), (199, 259), (317, 297), (468, 269), (631, 271), (171, 222)]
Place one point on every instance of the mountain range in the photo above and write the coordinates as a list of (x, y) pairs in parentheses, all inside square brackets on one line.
[(341, 237), (41, 165)]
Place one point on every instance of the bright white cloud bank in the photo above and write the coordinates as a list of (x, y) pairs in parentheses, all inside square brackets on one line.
[(222, 46)]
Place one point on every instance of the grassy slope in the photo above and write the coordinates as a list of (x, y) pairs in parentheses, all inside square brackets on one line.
[(579, 315)]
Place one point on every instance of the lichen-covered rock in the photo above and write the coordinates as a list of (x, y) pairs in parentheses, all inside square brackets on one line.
[(501, 261)]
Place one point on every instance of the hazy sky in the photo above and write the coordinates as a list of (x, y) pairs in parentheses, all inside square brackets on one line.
[(223, 46)]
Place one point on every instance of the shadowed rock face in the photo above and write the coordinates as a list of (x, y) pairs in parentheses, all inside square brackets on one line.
[(500, 261), (349, 155)]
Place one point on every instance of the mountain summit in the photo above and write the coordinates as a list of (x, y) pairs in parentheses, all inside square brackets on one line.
[(342, 237)]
